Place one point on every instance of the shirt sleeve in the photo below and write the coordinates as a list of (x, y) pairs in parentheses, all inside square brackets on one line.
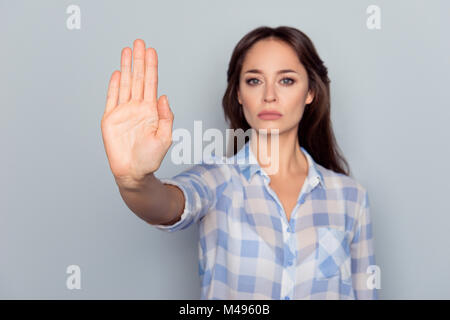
[(198, 185), (363, 256)]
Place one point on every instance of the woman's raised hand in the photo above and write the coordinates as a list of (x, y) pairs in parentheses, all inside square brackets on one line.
[(136, 126)]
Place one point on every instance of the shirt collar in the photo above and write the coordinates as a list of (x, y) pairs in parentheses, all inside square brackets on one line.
[(249, 166)]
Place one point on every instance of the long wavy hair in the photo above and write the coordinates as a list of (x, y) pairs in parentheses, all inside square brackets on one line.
[(315, 132)]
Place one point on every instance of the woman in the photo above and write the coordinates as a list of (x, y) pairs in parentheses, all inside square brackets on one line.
[(301, 232)]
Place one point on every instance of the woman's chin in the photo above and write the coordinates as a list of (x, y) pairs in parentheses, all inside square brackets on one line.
[(268, 130)]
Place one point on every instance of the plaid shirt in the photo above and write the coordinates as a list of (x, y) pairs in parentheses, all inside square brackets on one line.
[(248, 249)]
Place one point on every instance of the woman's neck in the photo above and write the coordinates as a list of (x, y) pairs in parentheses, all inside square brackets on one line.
[(279, 155)]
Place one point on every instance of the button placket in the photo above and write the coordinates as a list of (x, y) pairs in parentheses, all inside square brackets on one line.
[(289, 267), (289, 240)]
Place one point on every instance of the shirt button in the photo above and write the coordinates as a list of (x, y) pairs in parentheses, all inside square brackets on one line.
[(286, 298)]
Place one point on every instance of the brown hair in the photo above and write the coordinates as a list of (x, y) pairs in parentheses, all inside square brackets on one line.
[(315, 132)]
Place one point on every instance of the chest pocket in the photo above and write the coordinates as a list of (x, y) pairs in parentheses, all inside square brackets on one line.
[(333, 258)]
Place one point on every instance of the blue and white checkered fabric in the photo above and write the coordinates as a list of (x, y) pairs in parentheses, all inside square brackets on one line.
[(248, 249)]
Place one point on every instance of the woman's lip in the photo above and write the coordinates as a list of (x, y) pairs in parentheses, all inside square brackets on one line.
[(269, 112), (269, 116)]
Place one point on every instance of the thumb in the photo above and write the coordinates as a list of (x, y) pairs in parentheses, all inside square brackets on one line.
[(166, 117)]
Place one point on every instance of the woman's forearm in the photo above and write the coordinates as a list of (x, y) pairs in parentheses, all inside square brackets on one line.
[(152, 200)]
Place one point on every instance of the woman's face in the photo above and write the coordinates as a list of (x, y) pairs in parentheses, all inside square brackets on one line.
[(266, 85)]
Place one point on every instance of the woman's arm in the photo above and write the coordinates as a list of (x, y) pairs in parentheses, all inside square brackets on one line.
[(153, 201), (363, 256)]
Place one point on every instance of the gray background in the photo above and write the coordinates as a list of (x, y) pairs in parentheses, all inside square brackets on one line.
[(59, 203)]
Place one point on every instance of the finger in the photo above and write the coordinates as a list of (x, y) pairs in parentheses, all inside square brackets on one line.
[(138, 69), (113, 92), (125, 76), (151, 75), (165, 119)]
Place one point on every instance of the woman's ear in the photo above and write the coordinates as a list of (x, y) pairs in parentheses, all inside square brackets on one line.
[(309, 97), (239, 96)]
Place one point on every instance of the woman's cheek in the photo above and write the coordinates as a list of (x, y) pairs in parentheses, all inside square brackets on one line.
[(249, 113)]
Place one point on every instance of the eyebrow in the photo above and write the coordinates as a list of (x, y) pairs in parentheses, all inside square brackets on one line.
[(279, 71)]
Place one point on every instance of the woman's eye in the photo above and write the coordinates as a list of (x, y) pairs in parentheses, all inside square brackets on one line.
[(292, 80), (249, 81), (289, 82)]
